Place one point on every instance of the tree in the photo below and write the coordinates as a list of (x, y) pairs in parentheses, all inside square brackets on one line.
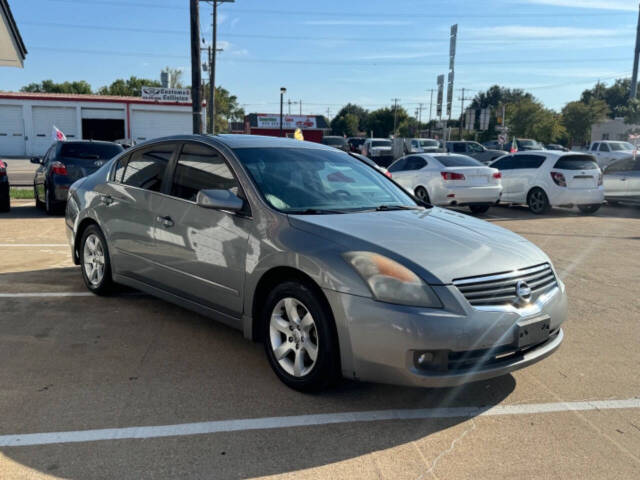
[(49, 86), (381, 120), (339, 123), (528, 118), (227, 108), (494, 98), (131, 87), (632, 115), (577, 118), (616, 96)]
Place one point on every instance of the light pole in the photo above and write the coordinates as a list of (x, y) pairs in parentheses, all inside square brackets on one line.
[(283, 90)]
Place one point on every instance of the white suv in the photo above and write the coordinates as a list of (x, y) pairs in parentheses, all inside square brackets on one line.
[(607, 152), (547, 178)]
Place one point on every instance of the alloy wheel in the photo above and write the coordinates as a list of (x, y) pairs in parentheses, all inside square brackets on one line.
[(537, 201), (294, 337), (93, 258)]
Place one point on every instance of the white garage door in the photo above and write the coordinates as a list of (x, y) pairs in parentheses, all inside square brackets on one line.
[(148, 124), (44, 118), (11, 130)]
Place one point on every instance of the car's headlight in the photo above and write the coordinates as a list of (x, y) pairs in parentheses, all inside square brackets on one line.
[(391, 282)]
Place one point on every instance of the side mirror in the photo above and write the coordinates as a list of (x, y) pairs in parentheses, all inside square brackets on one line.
[(219, 200), (37, 160)]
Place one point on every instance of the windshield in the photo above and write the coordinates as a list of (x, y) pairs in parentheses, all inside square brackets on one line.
[(618, 146), (304, 180), (428, 143), (529, 144), (90, 151), (381, 143), (458, 161)]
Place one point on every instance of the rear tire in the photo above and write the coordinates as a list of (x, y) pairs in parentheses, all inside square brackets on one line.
[(94, 261), (422, 194), (538, 201), (297, 327), (476, 209), (589, 209), (5, 203), (35, 194), (49, 202)]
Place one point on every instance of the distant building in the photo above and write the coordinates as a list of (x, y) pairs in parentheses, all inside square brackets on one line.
[(12, 49), (614, 129), (313, 127), (26, 119)]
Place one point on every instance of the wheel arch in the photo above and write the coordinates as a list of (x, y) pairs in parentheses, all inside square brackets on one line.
[(82, 226)]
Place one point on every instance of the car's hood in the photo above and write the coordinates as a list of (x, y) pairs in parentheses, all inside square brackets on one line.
[(439, 244)]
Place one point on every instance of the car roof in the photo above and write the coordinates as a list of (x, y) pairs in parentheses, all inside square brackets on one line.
[(259, 141), (80, 142)]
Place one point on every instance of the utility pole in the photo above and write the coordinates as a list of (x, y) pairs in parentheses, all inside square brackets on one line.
[(395, 114), (300, 107), (634, 77), (462, 99), (289, 104), (196, 76)]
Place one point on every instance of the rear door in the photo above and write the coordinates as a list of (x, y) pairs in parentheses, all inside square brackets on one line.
[(128, 203), (581, 172), (507, 165), (526, 170), (41, 172), (616, 179), (201, 252)]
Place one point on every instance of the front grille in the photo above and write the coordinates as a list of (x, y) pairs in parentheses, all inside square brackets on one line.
[(500, 288)]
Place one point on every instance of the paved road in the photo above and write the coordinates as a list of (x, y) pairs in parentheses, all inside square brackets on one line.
[(20, 171), (77, 363)]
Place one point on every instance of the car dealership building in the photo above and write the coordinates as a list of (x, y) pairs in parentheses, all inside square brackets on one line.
[(27, 119)]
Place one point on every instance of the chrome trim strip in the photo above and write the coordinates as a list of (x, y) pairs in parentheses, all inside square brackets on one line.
[(532, 308), (515, 273)]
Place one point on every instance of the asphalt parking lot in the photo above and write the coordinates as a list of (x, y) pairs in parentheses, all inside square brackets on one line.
[(131, 387)]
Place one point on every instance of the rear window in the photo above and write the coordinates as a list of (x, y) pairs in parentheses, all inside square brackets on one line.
[(459, 161), (429, 143), (90, 151), (576, 162)]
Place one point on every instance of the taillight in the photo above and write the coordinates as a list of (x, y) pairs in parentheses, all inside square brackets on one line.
[(388, 173), (559, 179), (3, 169), (58, 168), (452, 176), (600, 179), (497, 175)]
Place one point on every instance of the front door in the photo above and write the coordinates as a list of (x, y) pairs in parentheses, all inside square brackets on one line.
[(201, 251), (616, 179)]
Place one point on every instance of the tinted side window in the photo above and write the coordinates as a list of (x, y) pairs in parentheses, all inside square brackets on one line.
[(398, 165), (505, 163), (146, 167), (621, 166), (119, 170), (459, 148), (594, 147), (415, 163), (201, 168), (529, 161), (604, 147)]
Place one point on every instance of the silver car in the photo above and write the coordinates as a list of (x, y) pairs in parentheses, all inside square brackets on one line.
[(323, 258)]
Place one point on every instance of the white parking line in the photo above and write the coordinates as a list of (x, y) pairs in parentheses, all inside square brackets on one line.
[(47, 294), (267, 423), (2, 245)]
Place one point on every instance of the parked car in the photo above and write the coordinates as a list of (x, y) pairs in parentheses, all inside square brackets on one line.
[(621, 181), (63, 164), (474, 150), (334, 267), (555, 146), (495, 145), (5, 198), (525, 144), (607, 152), (446, 179), (422, 145), (548, 178), (371, 163), (355, 143), (380, 150), (336, 142)]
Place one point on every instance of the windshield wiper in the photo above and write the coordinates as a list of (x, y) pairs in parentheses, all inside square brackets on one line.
[(314, 211), (388, 208)]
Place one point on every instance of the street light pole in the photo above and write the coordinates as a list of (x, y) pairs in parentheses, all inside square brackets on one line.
[(212, 81), (283, 90)]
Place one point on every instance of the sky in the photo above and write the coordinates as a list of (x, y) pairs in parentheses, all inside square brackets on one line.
[(333, 52)]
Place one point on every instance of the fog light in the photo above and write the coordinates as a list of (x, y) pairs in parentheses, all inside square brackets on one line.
[(425, 358)]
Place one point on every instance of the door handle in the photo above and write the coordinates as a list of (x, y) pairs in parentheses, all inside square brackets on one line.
[(165, 221), (107, 199)]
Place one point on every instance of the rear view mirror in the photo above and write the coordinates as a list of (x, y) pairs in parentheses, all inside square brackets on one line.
[(37, 160), (219, 200)]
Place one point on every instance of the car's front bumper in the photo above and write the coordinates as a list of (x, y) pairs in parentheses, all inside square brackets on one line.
[(381, 342)]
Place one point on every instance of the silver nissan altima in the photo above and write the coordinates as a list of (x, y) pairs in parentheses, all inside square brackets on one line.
[(334, 267)]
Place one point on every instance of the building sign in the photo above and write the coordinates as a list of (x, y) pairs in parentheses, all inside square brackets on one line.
[(440, 96), (159, 94), (288, 121)]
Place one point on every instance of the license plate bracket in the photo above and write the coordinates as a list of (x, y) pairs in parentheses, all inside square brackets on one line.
[(531, 331)]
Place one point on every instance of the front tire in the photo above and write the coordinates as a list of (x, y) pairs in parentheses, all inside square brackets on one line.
[(476, 209), (299, 337), (35, 194), (589, 209), (538, 201), (94, 261), (422, 194)]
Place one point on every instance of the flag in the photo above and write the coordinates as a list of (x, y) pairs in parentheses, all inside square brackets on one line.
[(57, 135), (298, 134), (514, 145)]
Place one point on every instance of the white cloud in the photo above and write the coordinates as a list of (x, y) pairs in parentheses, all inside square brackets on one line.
[(232, 49), (358, 22), (626, 5), (526, 31)]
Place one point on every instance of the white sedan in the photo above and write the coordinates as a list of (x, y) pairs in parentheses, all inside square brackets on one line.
[(448, 180), (547, 178)]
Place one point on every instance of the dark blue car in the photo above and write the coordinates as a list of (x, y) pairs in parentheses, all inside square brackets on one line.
[(63, 164)]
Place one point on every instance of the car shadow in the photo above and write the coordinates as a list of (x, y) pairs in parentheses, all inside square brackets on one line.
[(131, 360), (21, 208), (522, 212)]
